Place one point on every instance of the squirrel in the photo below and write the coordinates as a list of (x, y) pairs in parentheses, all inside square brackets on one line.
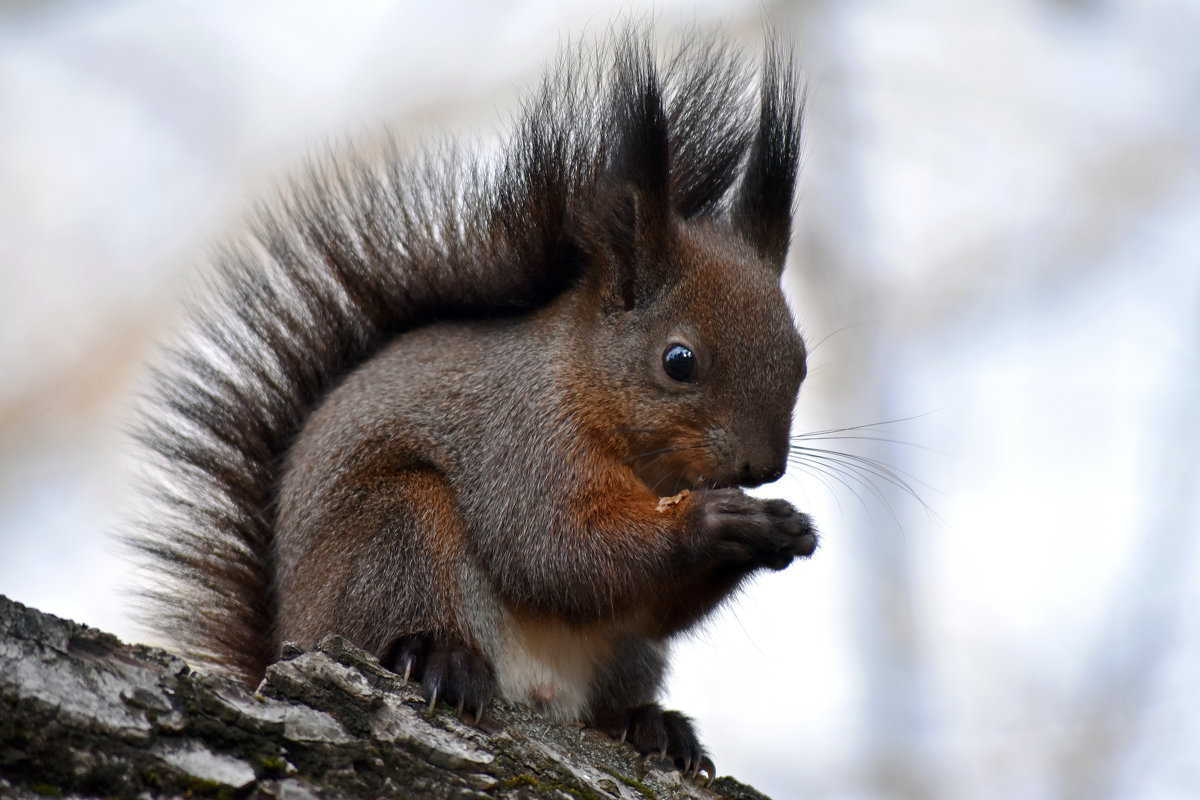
[(490, 418)]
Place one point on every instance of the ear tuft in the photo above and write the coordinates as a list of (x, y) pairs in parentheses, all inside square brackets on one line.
[(640, 154), (630, 223), (710, 88), (762, 209)]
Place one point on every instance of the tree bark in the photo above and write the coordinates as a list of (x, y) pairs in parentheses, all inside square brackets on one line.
[(82, 715)]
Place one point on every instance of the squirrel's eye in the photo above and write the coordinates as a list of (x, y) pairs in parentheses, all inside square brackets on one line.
[(679, 363)]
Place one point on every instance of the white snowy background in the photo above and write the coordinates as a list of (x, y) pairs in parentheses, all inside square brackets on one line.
[(998, 242)]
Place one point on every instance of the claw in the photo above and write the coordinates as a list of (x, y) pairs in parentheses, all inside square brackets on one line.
[(706, 765), (433, 698), (408, 667), (657, 755), (624, 733)]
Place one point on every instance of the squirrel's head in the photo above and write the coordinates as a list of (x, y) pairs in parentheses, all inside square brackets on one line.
[(690, 340)]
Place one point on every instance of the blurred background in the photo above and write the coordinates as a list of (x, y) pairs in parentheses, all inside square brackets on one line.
[(997, 265)]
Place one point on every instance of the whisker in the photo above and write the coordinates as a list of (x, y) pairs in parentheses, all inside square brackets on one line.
[(640, 470), (864, 474), (659, 451), (825, 475), (851, 472), (663, 451), (829, 336), (866, 426), (812, 437), (656, 454), (893, 475), (864, 470)]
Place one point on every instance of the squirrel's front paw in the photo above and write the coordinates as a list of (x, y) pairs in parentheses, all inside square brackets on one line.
[(660, 734), (737, 528), (446, 669)]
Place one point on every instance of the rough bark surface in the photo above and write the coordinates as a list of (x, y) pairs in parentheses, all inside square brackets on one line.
[(83, 715)]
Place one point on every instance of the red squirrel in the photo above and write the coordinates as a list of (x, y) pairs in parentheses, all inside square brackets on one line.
[(491, 418)]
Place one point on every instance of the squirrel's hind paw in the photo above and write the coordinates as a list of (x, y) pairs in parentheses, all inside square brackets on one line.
[(656, 733), (447, 670)]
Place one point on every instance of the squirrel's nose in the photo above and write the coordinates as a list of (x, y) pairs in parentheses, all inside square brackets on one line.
[(751, 476)]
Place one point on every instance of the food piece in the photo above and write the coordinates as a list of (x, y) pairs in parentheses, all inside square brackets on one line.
[(673, 500)]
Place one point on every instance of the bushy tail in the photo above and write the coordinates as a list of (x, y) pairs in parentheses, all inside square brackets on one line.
[(357, 253)]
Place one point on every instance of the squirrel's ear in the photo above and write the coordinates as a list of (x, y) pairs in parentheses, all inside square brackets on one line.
[(762, 208), (615, 249), (630, 229)]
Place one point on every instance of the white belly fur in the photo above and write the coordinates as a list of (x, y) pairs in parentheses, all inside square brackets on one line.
[(551, 666), (542, 663)]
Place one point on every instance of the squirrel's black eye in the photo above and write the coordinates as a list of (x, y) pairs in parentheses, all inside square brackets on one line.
[(679, 363)]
